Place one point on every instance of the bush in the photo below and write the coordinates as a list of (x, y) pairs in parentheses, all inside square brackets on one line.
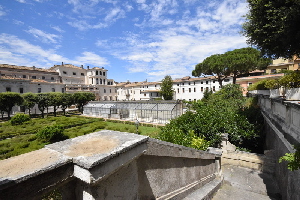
[(52, 134), (272, 84), (260, 85), (19, 118)]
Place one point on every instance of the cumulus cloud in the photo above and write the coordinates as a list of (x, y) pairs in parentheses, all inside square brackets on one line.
[(2, 12), (177, 47), (14, 50)]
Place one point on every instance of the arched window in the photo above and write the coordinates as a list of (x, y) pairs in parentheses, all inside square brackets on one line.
[(100, 81)]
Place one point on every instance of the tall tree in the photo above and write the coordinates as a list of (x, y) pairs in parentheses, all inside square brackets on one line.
[(166, 88), (213, 65), (244, 60), (29, 100), (9, 100), (82, 98), (273, 26)]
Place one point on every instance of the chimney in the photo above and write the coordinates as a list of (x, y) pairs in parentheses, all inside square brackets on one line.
[(62, 63), (88, 67)]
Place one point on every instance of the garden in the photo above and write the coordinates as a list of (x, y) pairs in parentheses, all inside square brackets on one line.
[(23, 134)]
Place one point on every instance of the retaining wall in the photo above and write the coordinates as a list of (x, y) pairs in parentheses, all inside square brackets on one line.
[(282, 127), (109, 165)]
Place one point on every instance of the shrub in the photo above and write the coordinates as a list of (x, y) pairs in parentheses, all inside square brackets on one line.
[(260, 85), (19, 118), (51, 134), (272, 84)]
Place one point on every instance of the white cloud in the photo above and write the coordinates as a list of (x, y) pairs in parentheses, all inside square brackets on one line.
[(91, 58), (43, 36), (20, 52), (175, 47), (21, 1), (58, 29), (2, 12)]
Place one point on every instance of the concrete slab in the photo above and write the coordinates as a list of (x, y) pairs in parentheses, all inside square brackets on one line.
[(90, 150), (30, 164)]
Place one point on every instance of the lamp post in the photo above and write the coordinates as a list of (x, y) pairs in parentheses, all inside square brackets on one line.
[(137, 126)]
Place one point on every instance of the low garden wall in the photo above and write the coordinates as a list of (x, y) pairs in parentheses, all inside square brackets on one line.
[(109, 165)]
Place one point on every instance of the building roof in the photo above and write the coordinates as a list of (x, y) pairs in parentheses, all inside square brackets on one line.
[(66, 65), (27, 68), (250, 78)]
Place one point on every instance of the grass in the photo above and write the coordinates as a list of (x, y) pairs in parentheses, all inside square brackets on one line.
[(20, 139)]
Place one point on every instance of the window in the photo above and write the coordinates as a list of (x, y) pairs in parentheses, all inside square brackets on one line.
[(43, 77), (190, 90), (189, 83), (24, 76), (194, 83), (144, 94), (74, 73), (104, 90), (64, 72), (62, 90), (182, 83), (201, 82), (214, 81), (53, 89), (39, 90), (100, 73), (206, 82), (249, 83), (97, 81), (177, 84), (96, 72), (21, 90), (82, 74), (226, 80), (214, 88), (182, 90), (201, 89), (177, 90), (8, 89), (207, 89), (33, 77), (52, 78), (103, 73), (194, 89)]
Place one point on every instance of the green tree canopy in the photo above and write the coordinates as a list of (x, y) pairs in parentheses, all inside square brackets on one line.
[(82, 98), (244, 60), (166, 88), (29, 100), (213, 65), (238, 61), (272, 26), (8, 100)]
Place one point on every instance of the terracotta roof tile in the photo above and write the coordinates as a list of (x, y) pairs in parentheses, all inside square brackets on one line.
[(26, 68)]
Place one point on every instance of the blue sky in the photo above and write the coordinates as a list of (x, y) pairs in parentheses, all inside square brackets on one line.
[(133, 39)]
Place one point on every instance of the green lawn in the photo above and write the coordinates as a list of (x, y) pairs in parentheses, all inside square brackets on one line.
[(19, 139)]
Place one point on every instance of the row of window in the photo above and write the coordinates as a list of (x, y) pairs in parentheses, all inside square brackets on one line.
[(201, 89), (25, 76), (39, 90), (74, 73), (202, 82)]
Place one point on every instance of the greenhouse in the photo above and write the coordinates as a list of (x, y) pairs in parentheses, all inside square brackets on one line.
[(148, 112)]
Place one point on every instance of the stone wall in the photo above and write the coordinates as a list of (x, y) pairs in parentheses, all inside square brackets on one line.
[(282, 127), (109, 165)]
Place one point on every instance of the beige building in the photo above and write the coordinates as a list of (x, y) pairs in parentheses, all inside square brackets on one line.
[(283, 64)]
